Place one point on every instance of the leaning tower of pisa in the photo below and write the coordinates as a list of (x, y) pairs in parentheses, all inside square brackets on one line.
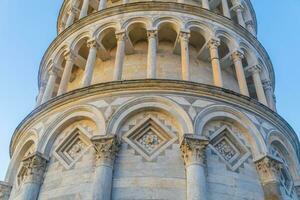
[(154, 100)]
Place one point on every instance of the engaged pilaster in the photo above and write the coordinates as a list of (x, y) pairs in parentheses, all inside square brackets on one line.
[(237, 57), (213, 46), (5, 190), (152, 48), (268, 170), (121, 37), (185, 59), (34, 168), (106, 148), (193, 149)]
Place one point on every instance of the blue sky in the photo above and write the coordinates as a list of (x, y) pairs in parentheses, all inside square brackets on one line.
[(28, 27)]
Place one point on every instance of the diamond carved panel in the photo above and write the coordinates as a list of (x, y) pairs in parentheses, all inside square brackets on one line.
[(72, 148), (229, 148), (149, 138)]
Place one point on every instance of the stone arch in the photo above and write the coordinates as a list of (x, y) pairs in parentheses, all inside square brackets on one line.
[(248, 53), (105, 35), (102, 30), (277, 139), (80, 40), (254, 137), (145, 22), (176, 23), (27, 141), (59, 56), (65, 119), (204, 29), (150, 102), (227, 38)]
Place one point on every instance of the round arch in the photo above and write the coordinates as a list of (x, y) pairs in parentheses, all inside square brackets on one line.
[(255, 138), (151, 102), (65, 119)]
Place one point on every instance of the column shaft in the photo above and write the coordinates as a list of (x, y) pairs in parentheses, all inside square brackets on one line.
[(41, 94), (103, 182), (239, 13), (205, 4), (151, 62), (84, 9), (215, 62), (90, 64), (237, 59), (196, 182), (120, 54), (50, 86), (185, 57), (226, 11), (63, 86), (102, 4), (267, 85), (255, 70)]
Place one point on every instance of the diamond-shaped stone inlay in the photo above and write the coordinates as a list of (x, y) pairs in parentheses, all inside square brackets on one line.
[(72, 148), (149, 138), (229, 148)]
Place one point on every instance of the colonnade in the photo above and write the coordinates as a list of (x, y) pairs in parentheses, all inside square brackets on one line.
[(193, 151), (237, 7)]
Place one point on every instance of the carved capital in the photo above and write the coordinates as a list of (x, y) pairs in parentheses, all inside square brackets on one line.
[(121, 36), (33, 168), (213, 43), (5, 190), (268, 169), (92, 44), (106, 148), (254, 69), (193, 148), (151, 34), (70, 56), (267, 84), (237, 55), (184, 36), (54, 70)]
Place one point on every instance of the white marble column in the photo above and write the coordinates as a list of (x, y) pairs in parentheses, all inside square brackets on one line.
[(84, 8), (90, 64), (152, 48), (255, 71), (193, 149), (34, 166), (226, 11), (238, 8), (67, 71), (120, 54), (71, 17), (102, 4), (237, 57), (53, 73), (5, 190), (268, 88), (106, 148), (213, 46), (41, 93), (250, 27), (268, 169), (185, 56), (205, 4)]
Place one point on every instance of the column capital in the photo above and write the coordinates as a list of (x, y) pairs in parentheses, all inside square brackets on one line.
[(5, 190), (54, 70), (254, 69), (106, 148), (70, 56), (237, 55), (184, 35), (268, 169), (151, 34), (237, 5), (73, 10), (34, 167), (267, 84), (213, 43), (193, 148), (92, 43), (121, 36)]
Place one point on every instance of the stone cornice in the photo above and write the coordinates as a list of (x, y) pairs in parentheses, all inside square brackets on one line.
[(171, 86), (160, 6)]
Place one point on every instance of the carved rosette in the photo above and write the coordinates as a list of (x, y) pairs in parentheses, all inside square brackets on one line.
[(106, 148), (34, 167), (193, 148), (268, 169), (5, 190)]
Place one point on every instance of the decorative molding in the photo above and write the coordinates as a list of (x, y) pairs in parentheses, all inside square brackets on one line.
[(268, 169), (5, 190)]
